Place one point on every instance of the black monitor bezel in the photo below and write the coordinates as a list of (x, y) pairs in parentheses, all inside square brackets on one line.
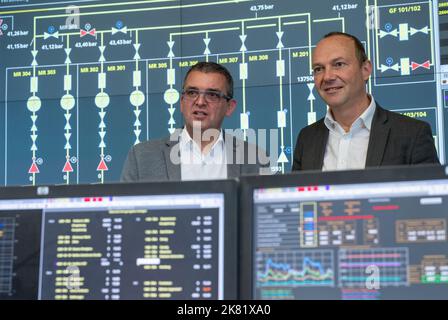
[(311, 178), (226, 187)]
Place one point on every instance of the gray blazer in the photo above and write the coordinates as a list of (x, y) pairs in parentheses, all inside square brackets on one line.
[(394, 140), (150, 160)]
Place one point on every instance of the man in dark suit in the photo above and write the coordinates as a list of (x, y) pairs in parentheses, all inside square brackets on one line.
[(201, 150), (356, 132)]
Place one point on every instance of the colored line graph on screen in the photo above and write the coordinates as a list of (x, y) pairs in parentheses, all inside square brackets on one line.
[(296, 269), (392, 264)]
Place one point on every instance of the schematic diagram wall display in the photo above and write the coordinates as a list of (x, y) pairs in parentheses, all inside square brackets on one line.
[(82, 82)]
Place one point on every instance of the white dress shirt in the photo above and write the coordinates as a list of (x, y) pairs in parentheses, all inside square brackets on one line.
[(198, 166), (348, 150)]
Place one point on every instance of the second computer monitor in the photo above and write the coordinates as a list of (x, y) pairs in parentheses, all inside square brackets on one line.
[(372, 234)]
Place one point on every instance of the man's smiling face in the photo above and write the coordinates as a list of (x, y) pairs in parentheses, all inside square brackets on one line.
[(339, 76)]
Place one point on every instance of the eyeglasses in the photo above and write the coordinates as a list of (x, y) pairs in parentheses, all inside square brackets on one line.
[(210, 96)]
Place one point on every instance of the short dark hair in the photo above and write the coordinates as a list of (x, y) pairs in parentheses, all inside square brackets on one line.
[(359, 48), (213, 67)]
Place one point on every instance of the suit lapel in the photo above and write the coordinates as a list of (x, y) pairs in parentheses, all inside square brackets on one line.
[(318, 147), (233, 168), (378, 138), (173, 170)]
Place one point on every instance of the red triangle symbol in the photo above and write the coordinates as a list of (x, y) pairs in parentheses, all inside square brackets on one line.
[(102, 166), (427, 65), (33, 168), (68, 167), (415, 66)]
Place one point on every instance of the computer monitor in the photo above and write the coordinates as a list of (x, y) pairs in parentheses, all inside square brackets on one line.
[(119, 241), (370, 234)]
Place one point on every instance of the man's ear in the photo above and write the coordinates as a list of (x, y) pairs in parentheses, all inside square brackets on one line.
[(182, 104), (366, 69), (231, 105)]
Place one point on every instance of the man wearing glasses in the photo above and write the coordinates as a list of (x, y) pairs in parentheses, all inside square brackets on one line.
[(200, 150)]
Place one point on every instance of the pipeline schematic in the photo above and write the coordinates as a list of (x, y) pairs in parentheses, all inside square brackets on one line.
[(82, 81)]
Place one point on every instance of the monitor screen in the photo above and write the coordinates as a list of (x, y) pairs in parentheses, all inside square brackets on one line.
[(374, 234), (120, 241)]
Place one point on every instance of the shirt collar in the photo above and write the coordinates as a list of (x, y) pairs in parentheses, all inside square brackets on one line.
[(367, 115), (187, 141), (365, 118)]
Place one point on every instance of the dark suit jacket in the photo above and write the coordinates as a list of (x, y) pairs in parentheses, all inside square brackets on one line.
[(151, 160), (394, 140)]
